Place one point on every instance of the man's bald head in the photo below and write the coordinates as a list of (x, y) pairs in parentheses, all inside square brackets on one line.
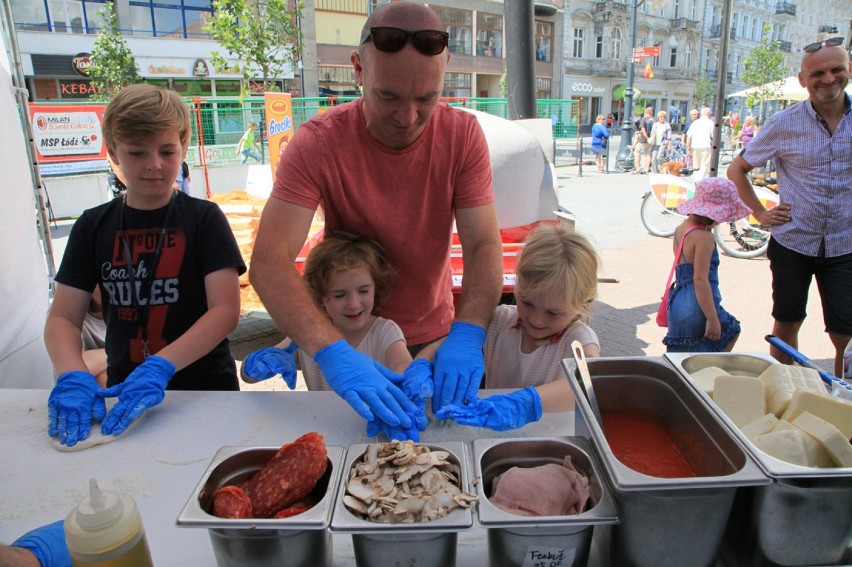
[(403, 15), (825, 73)]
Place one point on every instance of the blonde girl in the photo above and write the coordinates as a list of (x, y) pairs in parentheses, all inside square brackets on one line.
[(557, 283)]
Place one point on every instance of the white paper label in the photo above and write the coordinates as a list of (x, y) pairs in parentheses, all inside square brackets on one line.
[(540, 556)]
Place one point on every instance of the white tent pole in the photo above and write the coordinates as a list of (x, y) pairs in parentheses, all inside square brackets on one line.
[(21, 96)]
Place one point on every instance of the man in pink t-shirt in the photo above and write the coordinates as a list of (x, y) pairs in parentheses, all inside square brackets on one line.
[(399, 167)]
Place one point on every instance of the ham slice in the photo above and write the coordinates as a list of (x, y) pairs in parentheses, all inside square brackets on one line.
[(547, 490)]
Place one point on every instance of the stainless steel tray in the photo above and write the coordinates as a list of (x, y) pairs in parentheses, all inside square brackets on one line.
[(230, 464), (535, 451), (686, 363), (650, 382), (345, 522)]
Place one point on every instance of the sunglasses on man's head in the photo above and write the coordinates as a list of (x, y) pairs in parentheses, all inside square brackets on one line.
[(391, 40), (831, 42)]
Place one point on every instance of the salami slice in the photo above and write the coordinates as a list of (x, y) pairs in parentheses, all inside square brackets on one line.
[(231, 502), (289, 476), (297, 508)]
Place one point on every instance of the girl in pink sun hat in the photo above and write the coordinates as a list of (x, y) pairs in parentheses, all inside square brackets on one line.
[(697, 320)]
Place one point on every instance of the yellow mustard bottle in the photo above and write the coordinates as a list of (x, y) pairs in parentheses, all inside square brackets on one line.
[(105, 530)]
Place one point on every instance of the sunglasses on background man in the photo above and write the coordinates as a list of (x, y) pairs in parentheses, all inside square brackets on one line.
[(391, 40), (816, 46)]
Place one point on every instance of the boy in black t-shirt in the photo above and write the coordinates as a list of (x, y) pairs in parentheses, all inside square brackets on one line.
[(167, 266)]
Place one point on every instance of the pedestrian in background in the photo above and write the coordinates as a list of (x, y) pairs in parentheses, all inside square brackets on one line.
[(643, 145), (183, 179), (661, 135), (699, 143), (247, 146), (600, 141)]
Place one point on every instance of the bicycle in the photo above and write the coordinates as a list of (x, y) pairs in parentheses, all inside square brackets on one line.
[(625, 160), (659, 204), (744, 238)]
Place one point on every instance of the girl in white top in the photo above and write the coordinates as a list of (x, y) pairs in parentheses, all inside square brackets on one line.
[(557, 282)]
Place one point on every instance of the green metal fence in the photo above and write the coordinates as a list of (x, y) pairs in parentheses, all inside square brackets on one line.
[(218, 123), (222, 121)]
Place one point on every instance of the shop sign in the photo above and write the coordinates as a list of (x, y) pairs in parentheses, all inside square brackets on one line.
[(581, 88), (81, 63), (200, 68), (78, 89), (68, 132), (172, 70), (279, 125)]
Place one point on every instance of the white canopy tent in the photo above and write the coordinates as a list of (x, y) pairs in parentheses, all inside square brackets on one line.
[(787, 89), (24, 283)]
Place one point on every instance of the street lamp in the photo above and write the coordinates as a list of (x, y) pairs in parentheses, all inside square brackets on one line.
[(627, 119), (627, 114)]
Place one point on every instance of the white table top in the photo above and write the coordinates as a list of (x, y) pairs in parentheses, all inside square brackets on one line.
[(163, 459)]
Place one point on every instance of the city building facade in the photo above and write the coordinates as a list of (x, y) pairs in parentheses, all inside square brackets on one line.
[(581, 46)]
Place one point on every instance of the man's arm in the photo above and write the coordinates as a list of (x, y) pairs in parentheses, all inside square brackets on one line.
[(358, 379), (483, 268), (282, 233), (738, 173)]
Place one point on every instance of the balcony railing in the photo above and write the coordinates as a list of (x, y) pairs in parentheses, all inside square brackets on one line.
[(610, 6), (716, 32), (786, 46), (685, 24), (785, 9), (546, 7)]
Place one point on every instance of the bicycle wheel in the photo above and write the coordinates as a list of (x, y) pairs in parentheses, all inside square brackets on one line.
[(741, 239), (624, 160), (658, 220)]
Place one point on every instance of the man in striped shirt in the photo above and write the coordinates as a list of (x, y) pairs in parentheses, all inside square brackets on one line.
[(811, 143)]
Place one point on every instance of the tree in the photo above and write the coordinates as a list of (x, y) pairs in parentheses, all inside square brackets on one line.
[(704, 91), (764, 68), (263, 34), (112, 65)]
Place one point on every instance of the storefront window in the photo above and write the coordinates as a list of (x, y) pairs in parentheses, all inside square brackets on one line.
[(543, 41), (193, 88), (542, 87), (44, 89), (456, 85), (489, 35), (459, 25), (337, 80)]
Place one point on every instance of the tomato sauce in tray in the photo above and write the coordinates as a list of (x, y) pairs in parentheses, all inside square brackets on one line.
[(646, 446)]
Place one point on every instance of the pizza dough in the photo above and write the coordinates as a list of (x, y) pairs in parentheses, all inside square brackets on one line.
[(95, 436)]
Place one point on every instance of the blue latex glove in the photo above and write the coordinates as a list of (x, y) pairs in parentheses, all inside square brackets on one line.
[(142, 389), (48, 545), (459, 365), (393, 433), (268, 362), (500, 412), (365, 384), (417, 381), (72, 405)]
